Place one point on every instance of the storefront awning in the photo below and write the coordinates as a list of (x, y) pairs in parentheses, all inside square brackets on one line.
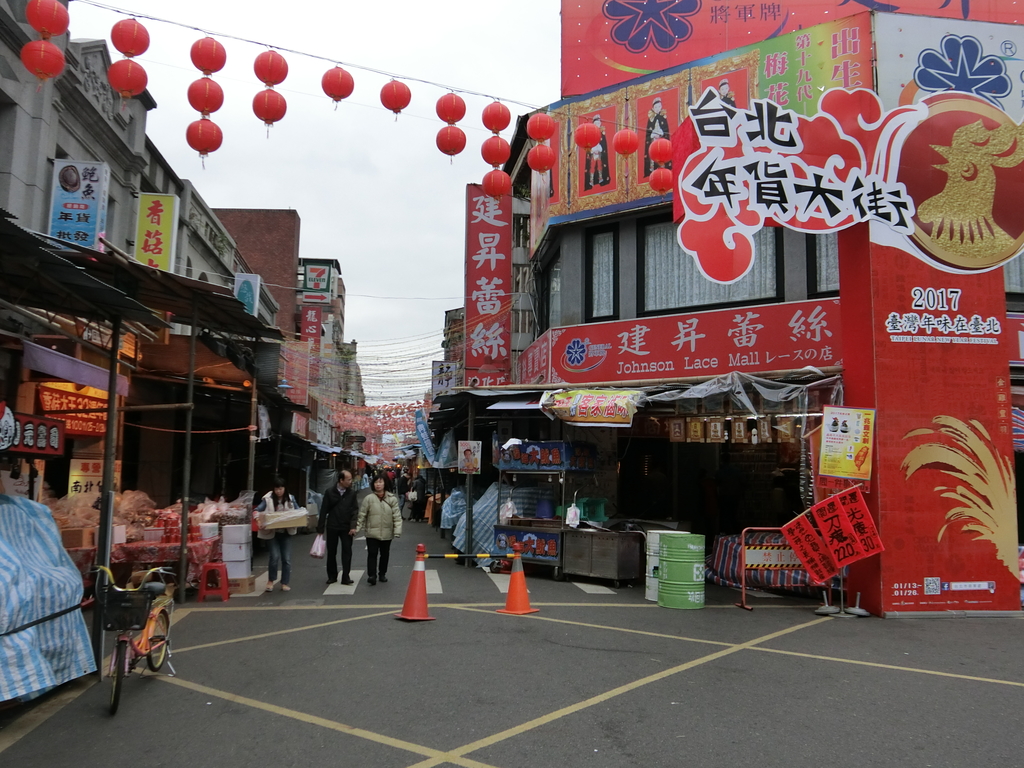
[(54, 363), (518, 404)]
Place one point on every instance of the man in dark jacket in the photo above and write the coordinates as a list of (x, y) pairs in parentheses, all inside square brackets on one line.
[(338, 518)]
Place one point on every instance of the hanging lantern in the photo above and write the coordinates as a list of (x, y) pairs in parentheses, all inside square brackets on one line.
[(204, 136), (270, 68), (208, 56), (625, 142), (541, 158), (129, 37), (206, 96), (661, 151), (451, 140), (47, 17), (338, 84), (269, 106), (496, 117), (541, 126), (42, 58), (587, 136), (451, 108), (395, 95), (495, 151), (497, 183), (127, 78), (661, 180)]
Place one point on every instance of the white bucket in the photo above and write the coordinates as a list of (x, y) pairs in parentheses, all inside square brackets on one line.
[(653, 542), (651, 589), (652, 565)]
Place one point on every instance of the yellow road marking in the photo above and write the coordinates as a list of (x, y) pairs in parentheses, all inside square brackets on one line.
[(280, 632), (535, 617), (438, 756), (509, 733), (44, 711), (895, 667)]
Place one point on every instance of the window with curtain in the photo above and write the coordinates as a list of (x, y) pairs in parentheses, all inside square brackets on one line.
[(671, 279), (826, 262), (1013, 275), (554, 293), (602, 275)]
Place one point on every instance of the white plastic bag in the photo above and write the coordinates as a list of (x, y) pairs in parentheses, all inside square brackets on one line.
[(319, 548), (572, 516), (508, 510)]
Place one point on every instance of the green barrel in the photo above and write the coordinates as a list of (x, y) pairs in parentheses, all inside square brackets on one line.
[(681, 570)]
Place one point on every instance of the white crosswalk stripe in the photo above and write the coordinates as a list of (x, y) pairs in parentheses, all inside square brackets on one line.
[(434, 583), (594, 589), (344, 589), (500, 581)]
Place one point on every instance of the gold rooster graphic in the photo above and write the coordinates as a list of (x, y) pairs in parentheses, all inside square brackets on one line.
[(961, 214), (984, 485)]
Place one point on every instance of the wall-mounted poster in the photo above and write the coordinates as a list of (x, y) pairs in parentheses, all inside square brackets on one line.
[(733, 87), (695, 430), (657, 118), (595, 169), (469, 457)]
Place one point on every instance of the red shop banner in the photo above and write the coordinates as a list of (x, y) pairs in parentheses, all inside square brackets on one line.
[(769, 337), (809, 547), (57, 400), (488, 359), (30, 435)]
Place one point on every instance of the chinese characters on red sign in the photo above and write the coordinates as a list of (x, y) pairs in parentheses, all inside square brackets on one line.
[(860, 520), (749, 340), (811, 550), (74, 423), (488, 288)]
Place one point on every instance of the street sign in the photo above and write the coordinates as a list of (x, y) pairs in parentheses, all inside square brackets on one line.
[(316, 297), (318, 277)]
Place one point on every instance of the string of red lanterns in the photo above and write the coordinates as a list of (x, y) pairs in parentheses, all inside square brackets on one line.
[(496, 151), (338, 84), (395, 95), (127, 77), (268, 105), (41, 57), (206, 96), (541, 127), (451, 108)]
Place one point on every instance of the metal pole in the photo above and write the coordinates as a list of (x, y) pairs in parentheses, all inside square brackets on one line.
[(107, 515), (186, 472), (253, 435), (469, 488)]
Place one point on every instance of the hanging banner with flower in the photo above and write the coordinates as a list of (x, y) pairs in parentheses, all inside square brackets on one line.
[(592, 407)]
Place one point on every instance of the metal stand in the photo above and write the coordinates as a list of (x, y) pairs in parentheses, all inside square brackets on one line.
[(827, 609), (842, 613), (857, 610)]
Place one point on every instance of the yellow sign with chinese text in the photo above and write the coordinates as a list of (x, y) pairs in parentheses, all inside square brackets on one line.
[(156, 230), (592, 408), (847, 436)]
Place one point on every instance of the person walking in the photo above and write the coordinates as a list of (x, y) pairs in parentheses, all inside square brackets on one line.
[(380, 518), (417, 496), (338, 521), (403, 489), (279, 540)]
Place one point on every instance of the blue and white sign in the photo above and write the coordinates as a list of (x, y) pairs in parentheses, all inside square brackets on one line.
[(78, 205), (423, 433)]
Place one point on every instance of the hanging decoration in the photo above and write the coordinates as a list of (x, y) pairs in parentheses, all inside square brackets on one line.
[(661, 151), (587, 136), (451, 108), (395, 95), (47, 17), (127, 78), (129, 37), (205, 96), (661, 180), (495, 151), (496, 117), (43, 59), (497, 183), (269, 106), (337, 84), (208, 56), (204, 136), (451, 140), (541, 158), (625, 141), (271, 68), (541, 126)]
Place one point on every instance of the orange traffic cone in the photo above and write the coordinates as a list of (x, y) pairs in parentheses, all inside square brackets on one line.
[(518, 600), (415, 607)]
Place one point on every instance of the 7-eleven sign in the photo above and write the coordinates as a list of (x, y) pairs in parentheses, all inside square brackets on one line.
[(318, 278)]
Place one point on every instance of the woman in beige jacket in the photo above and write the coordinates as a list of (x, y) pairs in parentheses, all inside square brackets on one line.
[(380, 517)]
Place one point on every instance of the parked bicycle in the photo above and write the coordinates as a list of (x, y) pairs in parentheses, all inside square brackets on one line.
[(146, 607)]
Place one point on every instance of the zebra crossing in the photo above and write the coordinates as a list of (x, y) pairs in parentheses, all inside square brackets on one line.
[(435, 587)]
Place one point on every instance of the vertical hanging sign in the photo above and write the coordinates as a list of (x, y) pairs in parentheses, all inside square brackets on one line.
[(155, 231), (78, 205), (488, 359)]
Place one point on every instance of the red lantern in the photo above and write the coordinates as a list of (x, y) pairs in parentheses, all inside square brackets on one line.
[(541, 158), (625, 142), (127, 77), (269, 106), (395, 95), (130, 37), (497, 183), (661, 151), (205, 95), (337, 83), (208, 55), (661, 180), (451, 140), (270, 68), (496, 117), (587, 136), (43, 59), (204, 136), (541, 126), (47, 17), (495, 151), (451, 108)]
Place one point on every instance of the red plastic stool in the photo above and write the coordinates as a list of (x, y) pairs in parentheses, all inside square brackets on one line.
[(222, 581)]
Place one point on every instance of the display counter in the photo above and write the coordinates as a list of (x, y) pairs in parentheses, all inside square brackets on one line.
[(599, 554)]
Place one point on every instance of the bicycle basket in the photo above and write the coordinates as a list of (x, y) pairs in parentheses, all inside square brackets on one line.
[(124, 610)]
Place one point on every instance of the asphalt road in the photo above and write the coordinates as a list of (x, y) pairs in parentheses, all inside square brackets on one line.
[(602, 680)]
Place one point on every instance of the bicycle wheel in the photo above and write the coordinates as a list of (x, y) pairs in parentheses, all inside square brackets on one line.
[(117, 678), (158, 637)]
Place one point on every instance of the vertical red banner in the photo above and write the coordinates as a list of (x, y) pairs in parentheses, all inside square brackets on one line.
[(811, 550), (311, 329), (488, 358), (837, 530)]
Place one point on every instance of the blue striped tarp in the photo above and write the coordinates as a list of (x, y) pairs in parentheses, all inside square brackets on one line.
[(37, 579), (1018, 430)]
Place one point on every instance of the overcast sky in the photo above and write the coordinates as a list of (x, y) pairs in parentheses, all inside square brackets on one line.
[(373, 192)]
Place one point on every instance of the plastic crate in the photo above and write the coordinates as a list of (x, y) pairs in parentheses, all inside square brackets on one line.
[(592, 509), (125, 609)]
